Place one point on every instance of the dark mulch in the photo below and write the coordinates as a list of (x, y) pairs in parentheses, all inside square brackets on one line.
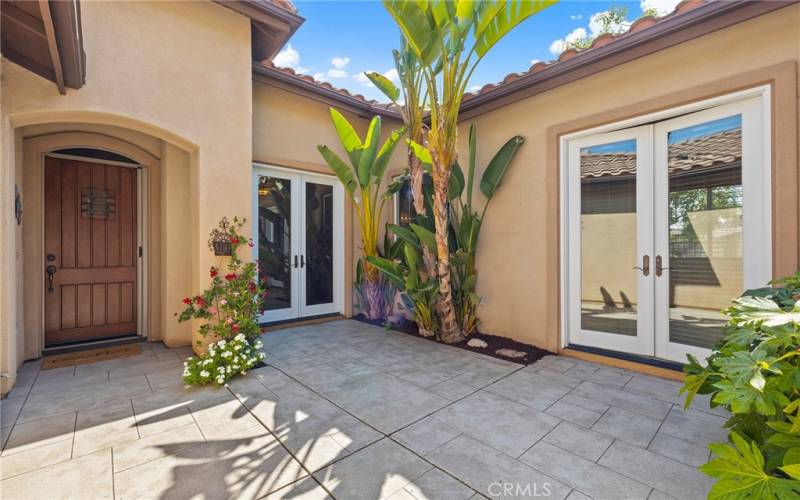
[(532, 353)]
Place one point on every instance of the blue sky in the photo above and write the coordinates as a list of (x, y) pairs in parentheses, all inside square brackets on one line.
[(341, 39)]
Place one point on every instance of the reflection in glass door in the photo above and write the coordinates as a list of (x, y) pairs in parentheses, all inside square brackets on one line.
[(707, 189), (666, 223), (610, 241), (300, 246)]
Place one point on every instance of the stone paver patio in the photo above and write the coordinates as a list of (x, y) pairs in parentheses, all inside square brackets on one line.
[(351, 411)]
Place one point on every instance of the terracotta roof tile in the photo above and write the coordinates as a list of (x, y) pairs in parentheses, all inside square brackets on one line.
[(602, 40)]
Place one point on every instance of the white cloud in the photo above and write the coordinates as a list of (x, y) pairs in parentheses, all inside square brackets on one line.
[(475, 88), (392, 75), (320, 77), (660, 6), (288, 57), (558, 46), (340, 62), (576, 17), (534, 61), (362, 78), (596, 27), (337, 73)]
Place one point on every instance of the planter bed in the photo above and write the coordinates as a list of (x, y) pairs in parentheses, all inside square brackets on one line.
[(495, 342)]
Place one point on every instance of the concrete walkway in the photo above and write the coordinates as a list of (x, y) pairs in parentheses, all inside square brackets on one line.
[(351, 411)]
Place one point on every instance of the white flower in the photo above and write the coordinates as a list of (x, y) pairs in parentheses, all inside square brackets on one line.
[(223, 302), (186, 373), (204, 374), (185, 363), (221, 343), (261, 355), (207, 362), (258, 344), (239, 337), (227, 354), (237, 347), (211, 352), (228, 369)]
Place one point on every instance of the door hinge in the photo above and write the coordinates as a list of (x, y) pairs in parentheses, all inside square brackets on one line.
[(140, 252)]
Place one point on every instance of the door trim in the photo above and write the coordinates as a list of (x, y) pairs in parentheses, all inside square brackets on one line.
[(339, 281), (142, 216), (764, 95)]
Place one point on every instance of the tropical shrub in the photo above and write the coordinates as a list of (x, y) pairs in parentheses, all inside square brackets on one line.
[(449, 39), (754, 372), (229, 309), (362, 181)]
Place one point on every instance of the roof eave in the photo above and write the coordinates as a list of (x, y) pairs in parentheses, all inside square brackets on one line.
[(666, 33)]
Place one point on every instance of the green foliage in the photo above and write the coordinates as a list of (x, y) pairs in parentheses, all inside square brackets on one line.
[(232, 303), (229, 309), (222, 361), (754, 372)]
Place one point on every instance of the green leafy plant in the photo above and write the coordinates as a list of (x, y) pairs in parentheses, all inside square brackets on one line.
[(466, 222), (405, 270), (229, 307), (754, 372), (222, 361), (450, 39), (362, 180)]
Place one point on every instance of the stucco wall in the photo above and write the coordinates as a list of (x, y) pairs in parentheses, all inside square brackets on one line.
[(177, 72), (518, 254), (287, 127)]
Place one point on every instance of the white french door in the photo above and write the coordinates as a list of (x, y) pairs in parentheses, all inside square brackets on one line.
[(665, 224), (299, 229)]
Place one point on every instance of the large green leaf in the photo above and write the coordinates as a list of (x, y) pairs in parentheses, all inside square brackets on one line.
[(339, 167), (392, 270), (405, 234), (417, 25), (493, 22), (740, 469), (761, 311), (370, 151), (493, 175), (426, 237), (421, 152), (412, 258), (385, 154), (347, 136), (384, 85), (473, 139), (456, 184)]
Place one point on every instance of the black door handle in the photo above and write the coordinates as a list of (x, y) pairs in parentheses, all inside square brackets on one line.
[(51, 273), (295, 261), (302, 261)]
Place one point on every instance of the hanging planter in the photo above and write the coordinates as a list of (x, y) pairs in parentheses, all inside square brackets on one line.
[(220, 239)]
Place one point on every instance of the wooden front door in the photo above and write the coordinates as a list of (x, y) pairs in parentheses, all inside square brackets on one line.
[(90, 251)]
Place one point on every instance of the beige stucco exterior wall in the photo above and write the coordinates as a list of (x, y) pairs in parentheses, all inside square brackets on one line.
[(288, 126), (519, 254), (176, 74)]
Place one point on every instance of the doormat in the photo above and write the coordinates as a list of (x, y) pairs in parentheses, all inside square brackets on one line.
[(90, 356), (300, 322)]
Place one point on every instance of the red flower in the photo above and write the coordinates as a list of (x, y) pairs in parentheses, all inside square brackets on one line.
[(234, 241), (252, 287), (187, 301), (213, 272), (250, 243), (234, 328), (230, 277), (199, 301)]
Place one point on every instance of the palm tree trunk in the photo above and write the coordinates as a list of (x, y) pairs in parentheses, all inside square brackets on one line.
[(417, 173), (451, 330)]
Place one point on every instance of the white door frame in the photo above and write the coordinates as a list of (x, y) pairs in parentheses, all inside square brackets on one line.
[(756, 207), (757, 153), (642, 343), (298, 179)]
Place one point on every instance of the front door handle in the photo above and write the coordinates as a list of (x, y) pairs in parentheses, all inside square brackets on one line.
[(51, 274), (659, 267), (645, 269), (302, 261), (295, 261)]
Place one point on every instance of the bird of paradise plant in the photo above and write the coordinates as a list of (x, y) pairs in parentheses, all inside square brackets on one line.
[(450, 38), (362, 181)]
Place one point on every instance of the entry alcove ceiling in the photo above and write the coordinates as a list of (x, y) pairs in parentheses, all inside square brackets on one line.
[(45, 38)]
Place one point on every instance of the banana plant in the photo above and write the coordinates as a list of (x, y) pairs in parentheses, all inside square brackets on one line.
[(450, 38), (406, 271), (362, 180)]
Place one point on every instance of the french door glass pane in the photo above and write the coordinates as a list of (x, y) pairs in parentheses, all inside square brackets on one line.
[(275, 240), (705, 228), (319, 244), (608, 238)]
